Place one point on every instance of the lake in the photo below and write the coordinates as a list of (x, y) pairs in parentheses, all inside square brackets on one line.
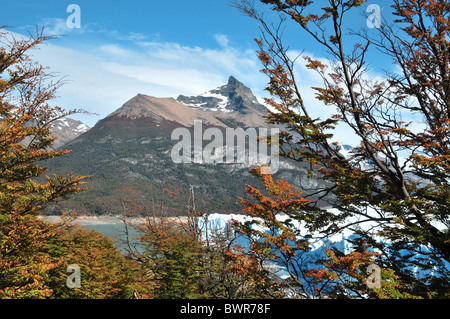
[(116, 231)]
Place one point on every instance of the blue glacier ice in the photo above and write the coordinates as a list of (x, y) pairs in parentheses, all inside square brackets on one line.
[(212, 223)]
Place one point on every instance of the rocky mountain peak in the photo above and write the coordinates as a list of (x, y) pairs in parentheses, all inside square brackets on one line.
[(231, 97), (66, 130), (235, 83), (232, 104)]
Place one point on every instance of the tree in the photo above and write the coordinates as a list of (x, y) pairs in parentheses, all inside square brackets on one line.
[(228, 272), (27, 260), (181, 257), (26, 139), (272, 238), (393, 189), (105, 273), (277, 242)]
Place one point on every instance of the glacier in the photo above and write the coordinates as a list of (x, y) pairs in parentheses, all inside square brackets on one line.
[(217, 223)]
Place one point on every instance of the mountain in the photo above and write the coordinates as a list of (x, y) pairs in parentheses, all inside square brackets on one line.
[(66, 130), (159, 110), (233, 103), (231, 97), (128, 155)]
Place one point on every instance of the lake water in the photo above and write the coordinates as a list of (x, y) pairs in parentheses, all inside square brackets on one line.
[(116, 231)]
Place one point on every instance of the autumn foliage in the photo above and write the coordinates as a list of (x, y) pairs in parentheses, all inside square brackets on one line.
[(393, 188), (34, 254), (180, 257)]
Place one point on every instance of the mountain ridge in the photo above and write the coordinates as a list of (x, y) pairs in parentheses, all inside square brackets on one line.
[(131, 149), (233, 96), (162, 108), (66, 130), (226, 106)]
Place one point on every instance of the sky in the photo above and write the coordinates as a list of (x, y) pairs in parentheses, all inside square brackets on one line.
[(159, 48)]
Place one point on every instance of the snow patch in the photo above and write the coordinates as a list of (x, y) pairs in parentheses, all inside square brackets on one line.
[(81, 128)]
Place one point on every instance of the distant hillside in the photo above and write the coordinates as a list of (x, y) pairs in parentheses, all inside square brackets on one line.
[(131, 149), (66, 130)]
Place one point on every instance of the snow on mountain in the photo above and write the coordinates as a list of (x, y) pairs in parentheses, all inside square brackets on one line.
[(345, 150), (231, 97), (218, 101), (159, 110), (66, 130), (73, 125)]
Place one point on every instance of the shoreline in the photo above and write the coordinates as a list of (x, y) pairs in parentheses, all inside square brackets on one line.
[(84, 220)]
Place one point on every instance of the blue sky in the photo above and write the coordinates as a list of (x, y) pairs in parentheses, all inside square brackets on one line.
[(159, 48)]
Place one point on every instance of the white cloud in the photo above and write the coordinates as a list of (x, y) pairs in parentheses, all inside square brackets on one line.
[(213, 64), (131, 36), (222, 39), (102, 78), (55, 26), (115, 50)]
